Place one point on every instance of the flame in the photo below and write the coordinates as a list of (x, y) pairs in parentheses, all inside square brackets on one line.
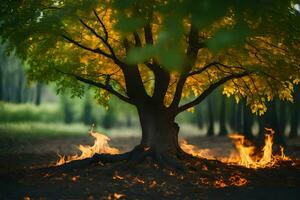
[(195, 151), (246, 156), (100, 146)]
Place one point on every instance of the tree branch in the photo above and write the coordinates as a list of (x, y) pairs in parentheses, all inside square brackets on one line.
[(148, 34), (102, 25), (103, 40), (96, 50), (209, 90), (99, 85), (191, 52), (137, 39)]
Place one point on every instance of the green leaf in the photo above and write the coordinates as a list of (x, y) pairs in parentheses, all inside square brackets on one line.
[(171, 59), (228, 37), (140, 54), (127, 25)]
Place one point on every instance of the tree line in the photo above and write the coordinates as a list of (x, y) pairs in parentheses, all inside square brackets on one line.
[(230, 116), (13, 85)]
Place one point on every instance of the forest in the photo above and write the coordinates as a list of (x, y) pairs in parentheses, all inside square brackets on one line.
[(175, 99)]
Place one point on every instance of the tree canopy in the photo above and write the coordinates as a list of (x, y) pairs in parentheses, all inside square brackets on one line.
[(172, 51)]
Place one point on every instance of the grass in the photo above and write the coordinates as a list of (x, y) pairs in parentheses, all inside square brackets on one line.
[(11, 112), (41, 129), (15, 135)]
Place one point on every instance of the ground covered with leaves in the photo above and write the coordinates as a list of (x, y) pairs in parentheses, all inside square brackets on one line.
[(25, 174)]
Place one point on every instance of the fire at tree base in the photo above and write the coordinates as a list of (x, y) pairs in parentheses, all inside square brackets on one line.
[(244, 154)]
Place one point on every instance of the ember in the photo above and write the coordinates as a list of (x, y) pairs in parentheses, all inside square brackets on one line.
[(236, 180)]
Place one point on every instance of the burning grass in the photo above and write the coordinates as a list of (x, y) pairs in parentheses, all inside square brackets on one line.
[(245, 154), (248, 156), (136, 181), (100, 146)]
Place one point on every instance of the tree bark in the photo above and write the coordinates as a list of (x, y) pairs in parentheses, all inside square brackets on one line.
[(282, 117), (233, 114), (159, 130), (211, 129), (20, 85), (238, 120), (199, 118), (247, 122), (38, 97), (223, 130), (295, 114), (271, 121), (1, 83)]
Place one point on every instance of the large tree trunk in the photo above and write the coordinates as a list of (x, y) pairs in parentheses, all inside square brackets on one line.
[(159, 142), (159, 131)]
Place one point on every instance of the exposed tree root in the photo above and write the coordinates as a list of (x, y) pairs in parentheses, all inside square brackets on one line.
[(138, 155)]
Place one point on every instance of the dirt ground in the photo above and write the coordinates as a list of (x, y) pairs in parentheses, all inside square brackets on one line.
[(24, 174)]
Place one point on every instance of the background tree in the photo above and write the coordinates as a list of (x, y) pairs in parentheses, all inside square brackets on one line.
[(87, 114), (161, 57), (210, 115), (247, 122), (295, 114), (38, 97), (68, 110), (223, 117)]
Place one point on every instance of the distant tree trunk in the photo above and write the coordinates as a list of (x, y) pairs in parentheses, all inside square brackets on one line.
[(38, 97), (247, 122), (232, 112), (6, 88), (20, 85), (294, 110), (271, 121), (129, 121), (238, 120), (210, 129), (261, 127), (68, 111), (1, 83), (282, 117), (87, 116), (198, 117), (223, 130), (108, 120)]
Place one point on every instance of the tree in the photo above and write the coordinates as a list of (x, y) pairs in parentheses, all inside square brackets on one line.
[(210, 113), (222, 120), (198, 117), (247, 122), (108, 119), (295, 114), (38, 94), (68, 110), (87, 114), (163, 57)]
